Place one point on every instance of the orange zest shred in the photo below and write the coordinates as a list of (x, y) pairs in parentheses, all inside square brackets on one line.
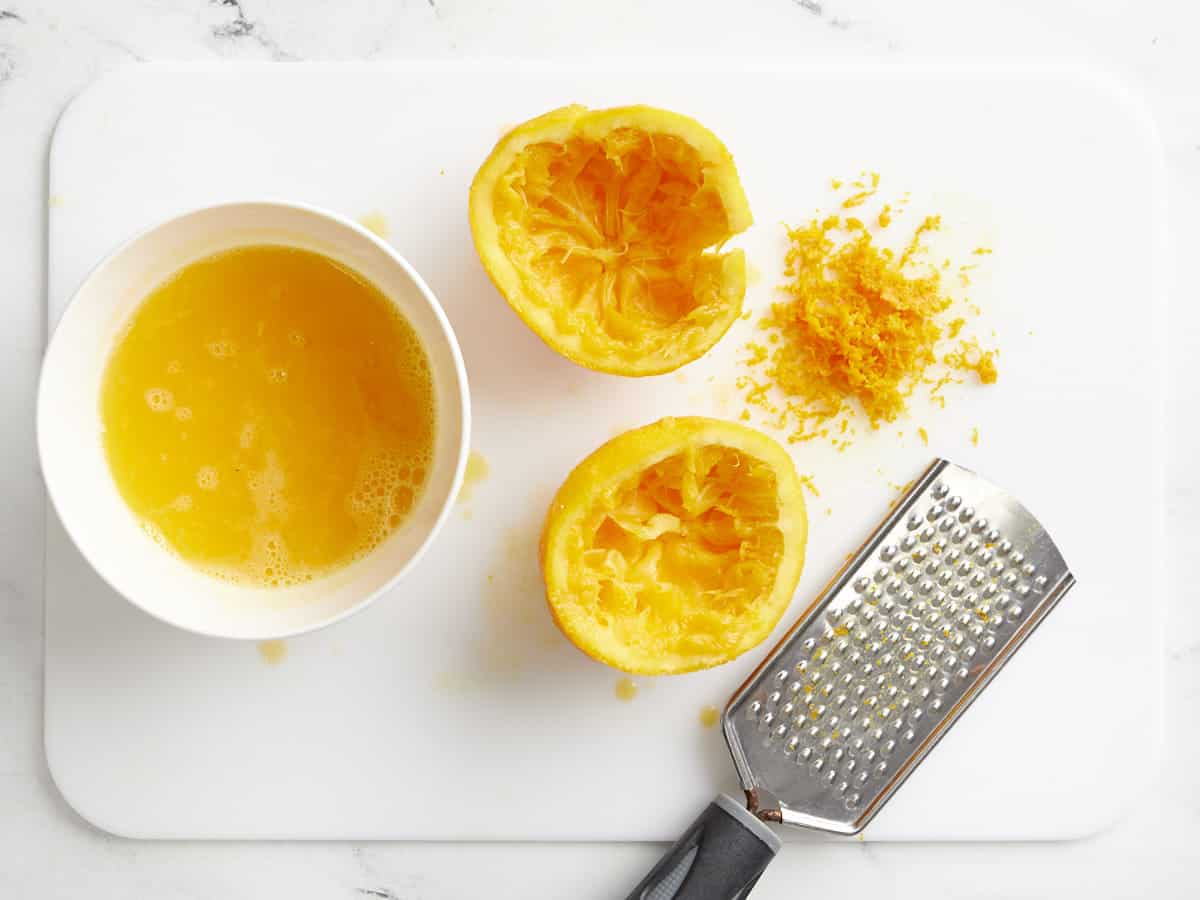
[(807, 481), (970, 357), (859, 328)]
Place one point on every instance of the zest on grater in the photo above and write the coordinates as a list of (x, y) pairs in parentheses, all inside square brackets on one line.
[(871, 677)]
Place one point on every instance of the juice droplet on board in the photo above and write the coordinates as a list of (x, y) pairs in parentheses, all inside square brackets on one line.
[(272, 652), (709, 716), (375, 222), (626, 689), (477, 471)]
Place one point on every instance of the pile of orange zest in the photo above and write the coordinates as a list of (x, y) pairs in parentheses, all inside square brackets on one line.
[(859, 328), (924, 435)]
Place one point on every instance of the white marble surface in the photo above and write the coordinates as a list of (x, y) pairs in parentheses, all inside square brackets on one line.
[(49, 49)]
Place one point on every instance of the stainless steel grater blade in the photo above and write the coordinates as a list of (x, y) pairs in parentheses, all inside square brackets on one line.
[(892, 652), (906, 635)]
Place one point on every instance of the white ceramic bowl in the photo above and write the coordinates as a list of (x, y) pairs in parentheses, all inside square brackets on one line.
[(70, 435)]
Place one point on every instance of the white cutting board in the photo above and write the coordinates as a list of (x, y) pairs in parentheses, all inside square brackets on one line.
[(452, 709)]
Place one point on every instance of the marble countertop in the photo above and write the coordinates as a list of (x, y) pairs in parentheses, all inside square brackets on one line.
[(50, 49)]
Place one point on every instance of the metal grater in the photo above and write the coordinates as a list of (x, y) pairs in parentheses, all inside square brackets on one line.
[(907, 634), (889, 656)]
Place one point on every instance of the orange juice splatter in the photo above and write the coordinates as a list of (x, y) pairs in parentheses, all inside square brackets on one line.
[(376, 223), (476, 472), (272, 652)]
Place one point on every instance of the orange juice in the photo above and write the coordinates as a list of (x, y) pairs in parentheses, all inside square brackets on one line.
[(269, 415)]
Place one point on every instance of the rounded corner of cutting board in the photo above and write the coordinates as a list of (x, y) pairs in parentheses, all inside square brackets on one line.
[(93, 96), (78, 793)]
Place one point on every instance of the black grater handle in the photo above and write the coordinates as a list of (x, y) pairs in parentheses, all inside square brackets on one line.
[(719, 857)]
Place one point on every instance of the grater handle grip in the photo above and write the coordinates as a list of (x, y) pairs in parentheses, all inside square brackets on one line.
[(719, 857)]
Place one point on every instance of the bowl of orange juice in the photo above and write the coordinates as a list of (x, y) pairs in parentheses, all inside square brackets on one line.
[(253, 419)]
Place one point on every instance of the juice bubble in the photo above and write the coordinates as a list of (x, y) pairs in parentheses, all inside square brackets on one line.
[(183, 413), (160, 399), (221, 349), (154, 533), (277, 376), (207, 478), (246, 437), (174, 367), (182, 503), (296, 339)]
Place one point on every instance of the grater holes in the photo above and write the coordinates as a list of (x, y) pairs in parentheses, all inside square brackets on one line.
[(930, 609), (940, 490)]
